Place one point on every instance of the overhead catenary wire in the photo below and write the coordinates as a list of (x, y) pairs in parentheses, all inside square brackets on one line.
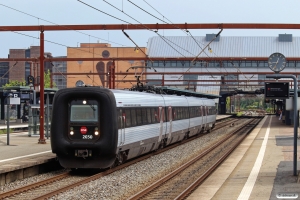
[(147, 12), (92, 80), (38, 18), (83, 33), (182, 30), (16, 32), (58, 70), (141, 24), (187, 32), (162, 37), (8, 70)]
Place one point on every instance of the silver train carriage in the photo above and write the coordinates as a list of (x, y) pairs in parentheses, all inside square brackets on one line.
[(94, 127)]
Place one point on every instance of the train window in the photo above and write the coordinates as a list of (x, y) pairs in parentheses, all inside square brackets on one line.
[(139, 116), (133, 117), (127, 118), (119, 113), (174, 114), (163, 114), (192, 112), (149, 115), (154, 115), (197, 111), (84, 110), (169, 114), (179, 114), (186, 112), (144, 116)]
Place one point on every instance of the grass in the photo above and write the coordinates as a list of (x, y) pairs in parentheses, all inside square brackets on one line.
[(239, 114), (4, 131)]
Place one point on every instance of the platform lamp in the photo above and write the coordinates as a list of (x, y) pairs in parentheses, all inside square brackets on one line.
[(9, 95)]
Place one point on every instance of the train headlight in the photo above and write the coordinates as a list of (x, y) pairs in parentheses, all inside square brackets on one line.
[(71, 131), (96, 131)]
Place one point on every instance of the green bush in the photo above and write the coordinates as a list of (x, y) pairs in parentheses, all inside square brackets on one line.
[(4, 131), (239, 114)]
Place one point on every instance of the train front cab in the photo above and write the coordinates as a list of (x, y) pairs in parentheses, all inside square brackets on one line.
[(83, 128)]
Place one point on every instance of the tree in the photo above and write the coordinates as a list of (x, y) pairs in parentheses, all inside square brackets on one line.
[(15, 83), (47, 81)]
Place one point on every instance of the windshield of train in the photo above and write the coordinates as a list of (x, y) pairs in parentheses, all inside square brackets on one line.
[(84, 110)]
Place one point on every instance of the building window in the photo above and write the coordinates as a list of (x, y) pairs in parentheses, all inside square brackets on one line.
[(167, 63), (261, 79), (226, 64), (248, 64), (173, 63), (161, 63), (242, 64), (263, 64), (211, 64), (198, 64), (290, 64), (186, 79), (231, 77), (235, 64)]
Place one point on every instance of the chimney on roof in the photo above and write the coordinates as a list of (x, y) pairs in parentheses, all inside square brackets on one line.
[(210, 37), (285, 38)]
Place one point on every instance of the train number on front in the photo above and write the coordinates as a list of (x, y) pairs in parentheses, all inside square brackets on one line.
[(87, 137)]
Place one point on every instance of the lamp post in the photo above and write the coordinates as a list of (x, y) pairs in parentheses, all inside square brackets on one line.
[(7, 116)]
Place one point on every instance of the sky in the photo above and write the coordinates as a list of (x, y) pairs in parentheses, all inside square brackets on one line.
[(67, 12)]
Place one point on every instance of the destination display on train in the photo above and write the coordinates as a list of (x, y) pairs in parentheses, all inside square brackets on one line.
[(277, 90)]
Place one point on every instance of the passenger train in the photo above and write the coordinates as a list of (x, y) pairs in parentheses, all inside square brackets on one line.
[(94, 127)]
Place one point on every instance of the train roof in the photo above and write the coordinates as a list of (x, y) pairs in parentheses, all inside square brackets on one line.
[(126, 98), (171, 90)]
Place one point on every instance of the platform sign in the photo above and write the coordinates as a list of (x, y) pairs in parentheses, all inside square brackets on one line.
[(277, 90)]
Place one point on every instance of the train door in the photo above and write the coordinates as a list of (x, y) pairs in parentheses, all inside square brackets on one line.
[(161, 122), (202, 117), (121, 130), (205, 117), (169, 124)]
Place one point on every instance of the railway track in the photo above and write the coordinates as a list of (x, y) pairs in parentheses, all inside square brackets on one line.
[(182, 181), (66, 181)]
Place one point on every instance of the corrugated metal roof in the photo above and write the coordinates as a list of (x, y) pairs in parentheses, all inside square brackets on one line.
[(228, 46)]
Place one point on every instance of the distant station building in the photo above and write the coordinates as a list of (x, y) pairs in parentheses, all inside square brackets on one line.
[(59, 68), (19, 71), (227, 58)]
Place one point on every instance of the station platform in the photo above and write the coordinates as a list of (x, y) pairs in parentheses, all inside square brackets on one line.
[(220, 117), (260, 168), (24, 157)]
